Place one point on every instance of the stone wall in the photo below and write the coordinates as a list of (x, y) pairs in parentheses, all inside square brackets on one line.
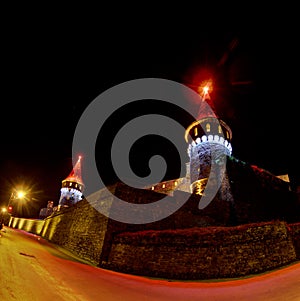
[(80, 229), (89, 234), (188, 216), (203, 253), (260, 196), (294, 230), (248, 195), (195, 251), (34, 226)]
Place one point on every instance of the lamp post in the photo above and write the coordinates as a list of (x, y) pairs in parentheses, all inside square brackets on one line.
[(12, 196)]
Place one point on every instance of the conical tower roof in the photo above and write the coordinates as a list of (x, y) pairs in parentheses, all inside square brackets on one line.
[(207, 114), (206, 107), (75, 174)]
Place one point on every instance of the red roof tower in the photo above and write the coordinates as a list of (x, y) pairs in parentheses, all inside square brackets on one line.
[(72, 187)]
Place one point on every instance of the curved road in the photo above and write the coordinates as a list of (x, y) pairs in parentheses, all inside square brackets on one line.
[(33, 269)]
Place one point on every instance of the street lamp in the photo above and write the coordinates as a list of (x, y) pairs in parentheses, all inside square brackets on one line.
[(14, 195), (20, 194)]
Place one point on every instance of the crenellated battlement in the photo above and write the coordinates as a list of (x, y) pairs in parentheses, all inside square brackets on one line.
[(211, 139)]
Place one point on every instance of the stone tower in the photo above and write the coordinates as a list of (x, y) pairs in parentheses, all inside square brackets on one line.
[(209, 144), (72, 187)]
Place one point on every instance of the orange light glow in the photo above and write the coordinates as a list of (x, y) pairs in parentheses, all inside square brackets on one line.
[(20, 194), (205, 88)]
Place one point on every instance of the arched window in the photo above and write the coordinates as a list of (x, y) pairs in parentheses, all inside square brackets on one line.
[(207, 127)]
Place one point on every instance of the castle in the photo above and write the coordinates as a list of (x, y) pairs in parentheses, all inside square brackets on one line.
[(208, 138), (250, 224)]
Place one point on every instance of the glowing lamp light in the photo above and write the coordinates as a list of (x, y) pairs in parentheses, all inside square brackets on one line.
[(205, 87), (20, 194)]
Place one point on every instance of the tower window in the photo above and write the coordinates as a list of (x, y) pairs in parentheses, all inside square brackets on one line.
[(163, 186), (220, 129), (70, 184), (196, 131), (227, 135), (208, 127)]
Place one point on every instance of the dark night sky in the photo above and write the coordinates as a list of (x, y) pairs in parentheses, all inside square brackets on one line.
[(51, 73)]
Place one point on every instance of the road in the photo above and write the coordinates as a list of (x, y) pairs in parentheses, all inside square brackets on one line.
[(34, 269)]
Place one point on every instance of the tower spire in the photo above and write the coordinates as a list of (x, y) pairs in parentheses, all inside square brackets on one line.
[(75, 174)]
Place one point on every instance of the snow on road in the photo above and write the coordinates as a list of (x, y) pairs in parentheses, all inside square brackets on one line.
[(33, 269)]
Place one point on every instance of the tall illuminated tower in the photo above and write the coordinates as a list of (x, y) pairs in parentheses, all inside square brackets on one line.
[(207, 135), (72, 187)]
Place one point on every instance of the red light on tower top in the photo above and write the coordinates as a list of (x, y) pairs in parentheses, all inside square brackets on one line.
[(205, 88), (207, 108)]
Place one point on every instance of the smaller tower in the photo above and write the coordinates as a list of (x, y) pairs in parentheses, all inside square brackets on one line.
[(72, 187)]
